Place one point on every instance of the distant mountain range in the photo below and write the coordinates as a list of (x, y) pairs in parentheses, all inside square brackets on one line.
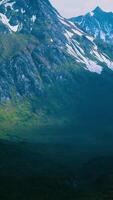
[(98, 23)]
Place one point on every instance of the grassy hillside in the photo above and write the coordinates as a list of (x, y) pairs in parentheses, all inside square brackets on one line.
[(79, 100), (12, 44)]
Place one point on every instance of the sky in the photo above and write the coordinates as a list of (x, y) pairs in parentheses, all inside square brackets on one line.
[(70, 8)]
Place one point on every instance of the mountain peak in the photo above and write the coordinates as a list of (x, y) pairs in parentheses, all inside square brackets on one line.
[(98, 23), (98, 9)]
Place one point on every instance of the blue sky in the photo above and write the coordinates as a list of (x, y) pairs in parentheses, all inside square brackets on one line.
[(69, 8)]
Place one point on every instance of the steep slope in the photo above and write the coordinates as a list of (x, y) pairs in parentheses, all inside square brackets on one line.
[(34, 39)]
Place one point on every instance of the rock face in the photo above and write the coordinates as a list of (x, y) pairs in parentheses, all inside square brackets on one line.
[(35, 45)]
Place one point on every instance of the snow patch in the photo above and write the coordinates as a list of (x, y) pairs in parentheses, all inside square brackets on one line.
[(22, 11), (70, 50), (93, 67), (90, 38), (3, 1), (51, 40), (9, 4), (33, 19), (78, 32), (68, 35), (108, 62), (102, 36), (92, 14), (5, 21)]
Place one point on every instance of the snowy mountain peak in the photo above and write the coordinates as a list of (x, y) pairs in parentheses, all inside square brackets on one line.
[(98, 23), (43, 42), (96, 11)]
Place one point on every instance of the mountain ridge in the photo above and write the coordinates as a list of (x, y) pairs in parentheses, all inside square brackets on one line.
[(98, 23), (59, 42)]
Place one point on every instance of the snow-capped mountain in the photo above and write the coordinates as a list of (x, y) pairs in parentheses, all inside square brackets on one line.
[(98, 23), (36, 41)]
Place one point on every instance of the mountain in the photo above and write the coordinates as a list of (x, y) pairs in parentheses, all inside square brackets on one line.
[(98, 23), (50, 69), (56, 106), (34, 39)]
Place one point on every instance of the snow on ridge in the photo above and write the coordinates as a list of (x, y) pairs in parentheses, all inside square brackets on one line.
[(76, 31), (90, 38), (103, 59), (92, 14), (77, 52), (107, 61), (63, 21), (71, 51), (93, 67), (9, 4), (68, 35), (102, 36), (33, 18), (22, 11), (3, 1), (5, 21)]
